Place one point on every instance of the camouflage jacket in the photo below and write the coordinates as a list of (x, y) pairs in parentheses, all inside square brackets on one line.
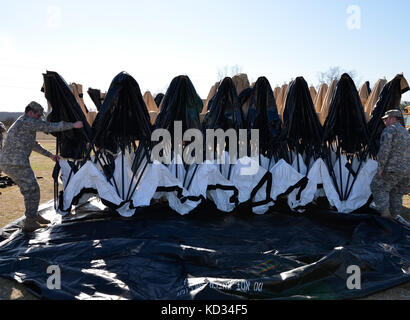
[(394, 153), (21, 139)]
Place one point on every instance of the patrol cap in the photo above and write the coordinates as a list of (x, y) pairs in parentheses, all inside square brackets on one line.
[(393, 114), (36, 107)]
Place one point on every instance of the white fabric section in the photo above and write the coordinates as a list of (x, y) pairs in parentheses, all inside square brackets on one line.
[(145, 189), (146, 186), (166, 179), (154, 176), (206, 175), (319, 174), (299, 164), (65, 170), (89, 177), (157, 175), (266, 162), (177, 168), (361, 189)]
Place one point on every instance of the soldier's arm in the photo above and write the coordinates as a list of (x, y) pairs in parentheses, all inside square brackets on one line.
[(39, 148), (45, 126), (385, 149)]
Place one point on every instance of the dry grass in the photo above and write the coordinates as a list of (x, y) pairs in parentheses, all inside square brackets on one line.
[(12, 208)]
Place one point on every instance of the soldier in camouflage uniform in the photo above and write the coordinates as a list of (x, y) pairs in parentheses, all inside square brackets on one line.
[(14, 159), (393, 177)]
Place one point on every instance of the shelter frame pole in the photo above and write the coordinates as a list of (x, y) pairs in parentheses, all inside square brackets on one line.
[(186, 167), (122, 171), (297, 159), (330, 168), (340, 170), (347, 183), (192, 177), (195, 170), (270, 154), (140, 175), (290, 157), (136, 158), (357, 173)]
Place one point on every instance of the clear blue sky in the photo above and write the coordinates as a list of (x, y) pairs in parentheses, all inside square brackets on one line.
[(89, 42)]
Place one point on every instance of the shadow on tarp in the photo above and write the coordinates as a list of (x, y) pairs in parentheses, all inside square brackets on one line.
[(158, 254)]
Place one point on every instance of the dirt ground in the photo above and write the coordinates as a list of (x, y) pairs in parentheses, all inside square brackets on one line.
[(11, 198)]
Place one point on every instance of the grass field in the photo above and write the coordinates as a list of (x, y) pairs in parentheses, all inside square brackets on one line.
[(12, 208)]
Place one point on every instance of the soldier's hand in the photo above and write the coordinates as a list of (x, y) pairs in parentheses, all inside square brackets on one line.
[(55, 157), (380, 174), (78, 125)]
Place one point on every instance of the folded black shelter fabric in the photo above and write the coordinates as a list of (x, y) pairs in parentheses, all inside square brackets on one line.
[(263, 115), (208, 255), (301, 124), (346, 121), (181, 103), (224, 109), (71, 143)]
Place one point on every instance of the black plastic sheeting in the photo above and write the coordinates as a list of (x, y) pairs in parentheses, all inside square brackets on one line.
[(208, 255), (71, 143)]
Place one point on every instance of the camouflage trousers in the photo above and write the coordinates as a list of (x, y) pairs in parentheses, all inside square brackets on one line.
[(389, 190), (26, 180)]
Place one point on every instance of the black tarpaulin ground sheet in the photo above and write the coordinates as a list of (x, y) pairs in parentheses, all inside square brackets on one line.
[(159, 254)]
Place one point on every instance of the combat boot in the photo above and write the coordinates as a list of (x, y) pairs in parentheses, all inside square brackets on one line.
[(30, 225), (42, 220)]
